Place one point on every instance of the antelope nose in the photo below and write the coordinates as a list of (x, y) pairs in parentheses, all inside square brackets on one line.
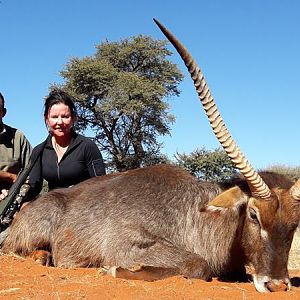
[(278, 285)]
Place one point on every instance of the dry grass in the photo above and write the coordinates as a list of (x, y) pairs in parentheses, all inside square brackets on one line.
[(294, 258)]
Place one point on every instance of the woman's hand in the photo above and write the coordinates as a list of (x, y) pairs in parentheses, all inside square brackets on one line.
[(3, 194)]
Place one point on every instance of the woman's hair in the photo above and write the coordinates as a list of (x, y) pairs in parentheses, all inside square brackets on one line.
[(57, 96), (2, 98)]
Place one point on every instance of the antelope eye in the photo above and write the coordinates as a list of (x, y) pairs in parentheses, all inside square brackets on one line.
[(253, 215)]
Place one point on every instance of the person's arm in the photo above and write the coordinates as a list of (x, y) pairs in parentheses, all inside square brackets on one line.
[(8, 177), (94, 160), (25, 152), (34, 179)]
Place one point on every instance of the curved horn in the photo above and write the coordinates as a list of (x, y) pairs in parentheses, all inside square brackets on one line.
[(255, 182)]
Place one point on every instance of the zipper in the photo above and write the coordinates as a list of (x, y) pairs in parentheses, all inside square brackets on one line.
[(57, 164)]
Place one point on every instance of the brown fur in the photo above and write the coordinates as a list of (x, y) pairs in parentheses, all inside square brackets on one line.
[(158, 218)]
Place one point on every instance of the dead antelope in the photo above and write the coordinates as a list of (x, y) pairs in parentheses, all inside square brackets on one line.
[(165, 221)]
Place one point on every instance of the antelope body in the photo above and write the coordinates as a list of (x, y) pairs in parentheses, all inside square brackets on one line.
[(165, 221), (162, 217)]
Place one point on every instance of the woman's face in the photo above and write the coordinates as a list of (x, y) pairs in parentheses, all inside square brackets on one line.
[(59, 120)]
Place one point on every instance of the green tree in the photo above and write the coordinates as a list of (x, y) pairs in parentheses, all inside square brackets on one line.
[(120, 94), (207, 165)]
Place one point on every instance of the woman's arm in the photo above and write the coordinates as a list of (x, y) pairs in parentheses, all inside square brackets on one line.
[(94, 160)]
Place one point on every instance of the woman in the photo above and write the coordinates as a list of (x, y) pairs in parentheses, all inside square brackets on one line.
[(67, 157)]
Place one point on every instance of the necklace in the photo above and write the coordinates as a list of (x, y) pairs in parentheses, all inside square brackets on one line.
[(60, 150)]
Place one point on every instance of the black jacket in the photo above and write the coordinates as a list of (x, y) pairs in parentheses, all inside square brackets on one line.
[(81, 161)]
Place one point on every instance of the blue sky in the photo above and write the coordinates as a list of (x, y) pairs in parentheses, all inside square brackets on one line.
[(247, 50)]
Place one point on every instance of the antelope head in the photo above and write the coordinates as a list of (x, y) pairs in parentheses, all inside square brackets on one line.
[(272, 213)]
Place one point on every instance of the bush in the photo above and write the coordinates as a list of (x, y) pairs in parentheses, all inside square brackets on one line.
[(292, 172), (208, 165)]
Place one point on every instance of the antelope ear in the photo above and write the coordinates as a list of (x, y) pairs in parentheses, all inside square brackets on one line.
[(295, 190), (232, 198)]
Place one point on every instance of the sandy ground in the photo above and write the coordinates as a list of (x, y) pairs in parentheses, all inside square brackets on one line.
[(24, 279)]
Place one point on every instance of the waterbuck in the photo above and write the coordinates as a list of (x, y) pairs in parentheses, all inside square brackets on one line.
[(164, 221)]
